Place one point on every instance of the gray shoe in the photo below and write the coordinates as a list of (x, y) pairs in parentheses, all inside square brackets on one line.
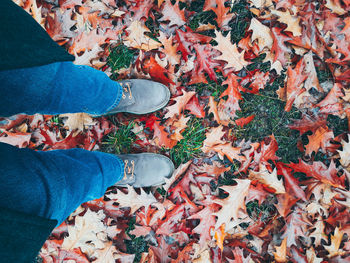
[(141, 96), (145, 169)]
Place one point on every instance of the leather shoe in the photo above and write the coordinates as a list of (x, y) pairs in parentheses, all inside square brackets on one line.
[(145, 169), (141, 96)]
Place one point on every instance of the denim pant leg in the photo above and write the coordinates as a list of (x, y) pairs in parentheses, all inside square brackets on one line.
[(56, 88), (53, 184)]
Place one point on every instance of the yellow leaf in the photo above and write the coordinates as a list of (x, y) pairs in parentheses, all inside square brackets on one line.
[(280, 254)]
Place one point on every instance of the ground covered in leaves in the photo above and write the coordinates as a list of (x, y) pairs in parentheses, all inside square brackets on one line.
[(257, 126)]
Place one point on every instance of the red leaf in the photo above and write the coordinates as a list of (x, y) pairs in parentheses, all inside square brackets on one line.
[(319, 171), (291, 183), (186, 40), (195, 108), (244, 121), (157, 72)]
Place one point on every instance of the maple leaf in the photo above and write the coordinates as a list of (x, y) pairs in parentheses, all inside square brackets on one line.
[(229, 52), (180, 103), (344, 154), (213, 109), (257, 81), (205, 61), (133, 200), (173, 14), (331, 104), (257, 192), (335, 6), (241, 122), (169, 49), (318, 233), (227, 108), (285, 202), (291, 182), (141, 10), (231, 204), (179, 124), (213, 137)]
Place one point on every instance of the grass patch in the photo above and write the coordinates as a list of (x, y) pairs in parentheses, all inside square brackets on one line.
[(190, 146), (263, 211), (121, 140), (136, 245), (270, 118), (120, 57), (240, 22)]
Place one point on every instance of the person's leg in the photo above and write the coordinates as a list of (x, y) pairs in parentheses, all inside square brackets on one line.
[(56, 88), (53, 184)]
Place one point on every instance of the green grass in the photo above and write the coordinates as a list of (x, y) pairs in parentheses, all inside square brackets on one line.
[(190, 146), (120, 57), (239, 24), (263, 211), (210, 89), (136, 245), (121, 140)]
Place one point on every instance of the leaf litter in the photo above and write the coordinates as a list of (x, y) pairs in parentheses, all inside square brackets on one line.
[(235, 200)]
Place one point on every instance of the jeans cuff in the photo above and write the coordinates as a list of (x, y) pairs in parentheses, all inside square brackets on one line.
[(117, 100), (121, 163)]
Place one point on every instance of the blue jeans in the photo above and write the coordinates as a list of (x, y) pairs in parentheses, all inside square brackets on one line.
[(53, 184)]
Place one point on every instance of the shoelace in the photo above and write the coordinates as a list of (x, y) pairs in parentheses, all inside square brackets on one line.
[(129, 169), (126, 89)]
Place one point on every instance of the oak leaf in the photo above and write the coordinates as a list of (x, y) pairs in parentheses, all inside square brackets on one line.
[(223, 17), (320, 139), (292, 21), (77, 121), (84, 233), (281, 252), (318, 170), (267, 178), (336, 239), (173, 14), (19, 139), (229, 52), (261, 33), (133, 200), (195, 107), (231, 205), (138, 39), (180, 104)]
